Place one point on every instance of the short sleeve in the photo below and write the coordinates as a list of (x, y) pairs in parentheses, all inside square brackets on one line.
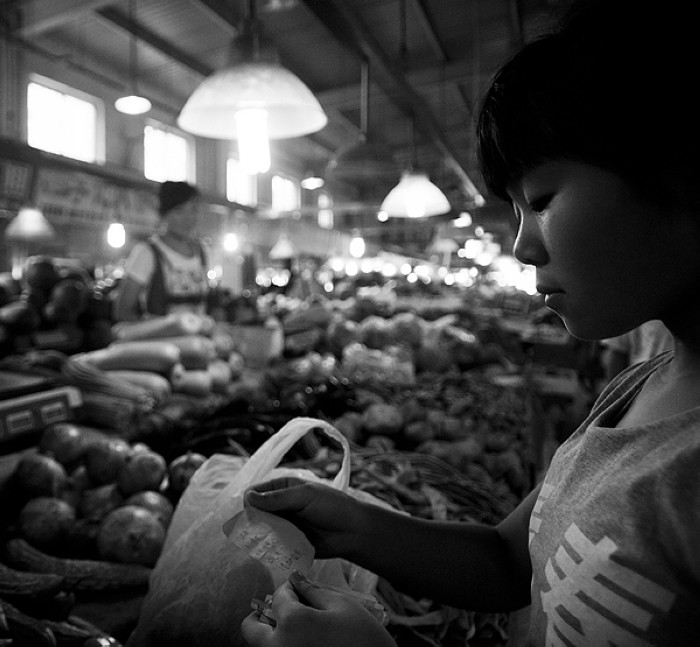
[(139, 264)]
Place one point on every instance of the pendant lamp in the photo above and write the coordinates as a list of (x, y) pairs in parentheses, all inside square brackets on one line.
[(27, 230), (133, 103), (29, 225), (282, 249), (252, 99), (363, 162), (415, 196)]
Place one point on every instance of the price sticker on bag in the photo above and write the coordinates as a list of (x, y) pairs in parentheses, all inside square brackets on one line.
[(275, 542)]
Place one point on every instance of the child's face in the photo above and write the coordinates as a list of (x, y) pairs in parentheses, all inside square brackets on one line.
[(606, 259)]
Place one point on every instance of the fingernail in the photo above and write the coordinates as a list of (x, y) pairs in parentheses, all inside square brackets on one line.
[(298, 577)]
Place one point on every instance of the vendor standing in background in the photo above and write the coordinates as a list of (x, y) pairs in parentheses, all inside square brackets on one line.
[(167, 272)]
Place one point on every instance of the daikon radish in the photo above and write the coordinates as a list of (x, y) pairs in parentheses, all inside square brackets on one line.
[(173, 325), (221, 374), (152, 355), (196, 351), (155, 383), (198, 383)]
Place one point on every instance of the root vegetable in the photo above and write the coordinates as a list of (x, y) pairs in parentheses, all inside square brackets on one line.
[(131, 535)]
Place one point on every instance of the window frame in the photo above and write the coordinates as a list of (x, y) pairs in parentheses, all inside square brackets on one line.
[(297, 189), (252, 180), (99, 135), (190, 162)]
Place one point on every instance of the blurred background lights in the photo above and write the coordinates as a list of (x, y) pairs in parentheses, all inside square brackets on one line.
[(463, 220), (230, 242), (357, 247), (337, 264), (116, 235)]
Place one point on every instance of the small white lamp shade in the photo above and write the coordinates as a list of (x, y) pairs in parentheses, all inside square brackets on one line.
[(282, 249), (363, 160), (415, 196), (292, 108), (29, 225), (132, 104)]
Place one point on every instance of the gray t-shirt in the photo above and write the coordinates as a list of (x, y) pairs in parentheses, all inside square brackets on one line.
[(615, 532)]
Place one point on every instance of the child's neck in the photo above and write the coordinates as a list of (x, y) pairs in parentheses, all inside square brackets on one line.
[(670, 390)]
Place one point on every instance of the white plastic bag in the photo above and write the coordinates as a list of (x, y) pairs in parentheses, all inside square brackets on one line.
[(201, 588)]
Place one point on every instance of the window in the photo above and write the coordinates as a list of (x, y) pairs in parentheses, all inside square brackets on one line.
[(325, 210), (285, 194), (167, 155), (64, 121), (240, 185)]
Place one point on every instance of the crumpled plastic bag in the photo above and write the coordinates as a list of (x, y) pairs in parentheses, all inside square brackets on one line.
[(202, 585)]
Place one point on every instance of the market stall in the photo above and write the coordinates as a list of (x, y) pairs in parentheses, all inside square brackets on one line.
[(437, 407)]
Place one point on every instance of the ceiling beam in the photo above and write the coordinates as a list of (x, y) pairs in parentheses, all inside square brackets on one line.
[(347, 26), (428, 29), (461, 71), (152, 39), (39, 16)]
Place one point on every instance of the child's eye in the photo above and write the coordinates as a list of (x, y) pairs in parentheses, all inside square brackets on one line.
[(540, 204)]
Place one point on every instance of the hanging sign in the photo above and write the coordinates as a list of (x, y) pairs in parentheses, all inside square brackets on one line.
[(74, 198)]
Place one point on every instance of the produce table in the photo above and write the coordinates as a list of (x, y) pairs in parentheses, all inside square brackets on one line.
[(451, 443)]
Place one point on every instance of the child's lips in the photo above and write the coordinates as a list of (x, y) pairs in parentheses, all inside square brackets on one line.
[(554, 299)]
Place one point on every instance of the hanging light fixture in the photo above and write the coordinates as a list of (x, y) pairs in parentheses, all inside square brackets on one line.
[(133, 103), (29, 226), (283, 249), (252, 99), (116, 235), (363, 162), (312, 181), (415, 196), (28, 229)]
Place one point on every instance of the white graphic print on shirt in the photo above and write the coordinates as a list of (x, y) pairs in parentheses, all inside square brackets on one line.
[(599, 595), (535, 518), (593, 600)]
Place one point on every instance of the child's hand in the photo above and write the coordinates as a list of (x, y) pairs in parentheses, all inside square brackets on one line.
[(330, 519), (309, 616)]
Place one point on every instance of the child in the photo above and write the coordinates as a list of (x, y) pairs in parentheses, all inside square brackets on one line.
[(592, 135)]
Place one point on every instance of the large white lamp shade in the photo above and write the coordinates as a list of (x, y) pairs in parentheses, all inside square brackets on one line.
[(292, 109), (415, 196)]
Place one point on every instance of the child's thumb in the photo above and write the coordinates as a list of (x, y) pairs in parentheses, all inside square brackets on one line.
[(311, 593)]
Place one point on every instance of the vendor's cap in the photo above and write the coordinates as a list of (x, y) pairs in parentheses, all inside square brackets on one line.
[(173, 194)]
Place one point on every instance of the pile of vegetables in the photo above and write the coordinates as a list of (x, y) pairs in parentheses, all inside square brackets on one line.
[(53, 306), (426, 487), (86, 515)]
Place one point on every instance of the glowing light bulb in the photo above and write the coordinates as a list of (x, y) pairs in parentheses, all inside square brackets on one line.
[(357, 247), (116, 235), (415, 208), (230, 242), (253, 140)]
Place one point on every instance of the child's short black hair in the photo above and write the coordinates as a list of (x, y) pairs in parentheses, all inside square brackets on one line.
[(612, 86)]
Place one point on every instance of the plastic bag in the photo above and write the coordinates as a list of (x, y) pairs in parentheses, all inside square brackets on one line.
[(202, 586)]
